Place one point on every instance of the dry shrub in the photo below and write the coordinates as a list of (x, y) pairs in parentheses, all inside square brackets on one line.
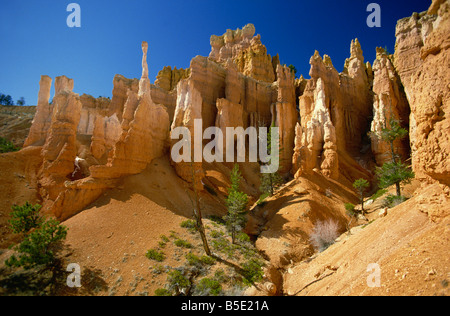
[(324, 234)]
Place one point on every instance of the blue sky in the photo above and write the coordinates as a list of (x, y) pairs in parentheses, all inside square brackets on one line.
[(37, 41)]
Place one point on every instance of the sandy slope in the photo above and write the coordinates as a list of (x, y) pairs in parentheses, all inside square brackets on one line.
[(112, 236), (410, 245)]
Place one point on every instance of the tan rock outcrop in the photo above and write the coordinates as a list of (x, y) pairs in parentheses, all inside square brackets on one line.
[(389, 103), (247, 52), (411, 33), (91, 143), (188, 109), (230, 44), (286, 116), (106, 133), (119, 94), (60, 150), (319, 137), (91, 107), (168, 78), (334, 116), (423, 53), (42, 118)]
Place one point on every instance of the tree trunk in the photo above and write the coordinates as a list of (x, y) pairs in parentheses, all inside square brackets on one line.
[(397, 186), (362, 204), (198, 216)]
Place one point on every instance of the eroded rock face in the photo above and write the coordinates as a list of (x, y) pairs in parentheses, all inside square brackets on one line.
[(91, 107), (335, 110), (286, 116), (168, 78), (247, 52), (389, 103), (119, 94), (42, 119), (423, 53), (91, 143), (319, 137), (230, 44), (60, 148), (188, 109)]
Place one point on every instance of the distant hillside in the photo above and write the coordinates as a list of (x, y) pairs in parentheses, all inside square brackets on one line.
[(15, 122)]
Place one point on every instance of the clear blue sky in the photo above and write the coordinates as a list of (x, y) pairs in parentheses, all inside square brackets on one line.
[(36, 40)]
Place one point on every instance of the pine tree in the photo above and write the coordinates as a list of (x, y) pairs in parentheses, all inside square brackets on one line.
[(237, 201), (394, 172), (361, 186), (42, 236)]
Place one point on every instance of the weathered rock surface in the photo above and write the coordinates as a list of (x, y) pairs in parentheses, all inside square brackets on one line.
[(42, 119), (389, 103), (60, 148), (168, 78), (422, 60), (91, 143), (286, 116), (335, 110), (247, 52)]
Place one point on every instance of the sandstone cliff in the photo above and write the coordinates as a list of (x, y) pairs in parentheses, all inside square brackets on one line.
[(422, 60), (246, 51), (335, 111), (389, 103)]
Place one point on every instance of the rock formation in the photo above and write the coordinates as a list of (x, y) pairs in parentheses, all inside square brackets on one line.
[(335, 109), (90, 143), (240, 85), (168, 78), (60, 148), (247, 52), (389, 103), (286, 116), (42, 119), (421, 58)]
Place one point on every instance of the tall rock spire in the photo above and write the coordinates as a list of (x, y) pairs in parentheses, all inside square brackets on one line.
[(144, 83)]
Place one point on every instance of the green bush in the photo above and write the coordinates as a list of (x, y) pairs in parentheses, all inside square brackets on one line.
[(156, 255), (377, 194), (25, 217), (177, 281), (189, 223), (194, 260), (216, 234), (162, 292), (182, 243), (6, 146), (252, 271), (209, 287), (393, 200), (243, 237), (38, 247), (350, 208)]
